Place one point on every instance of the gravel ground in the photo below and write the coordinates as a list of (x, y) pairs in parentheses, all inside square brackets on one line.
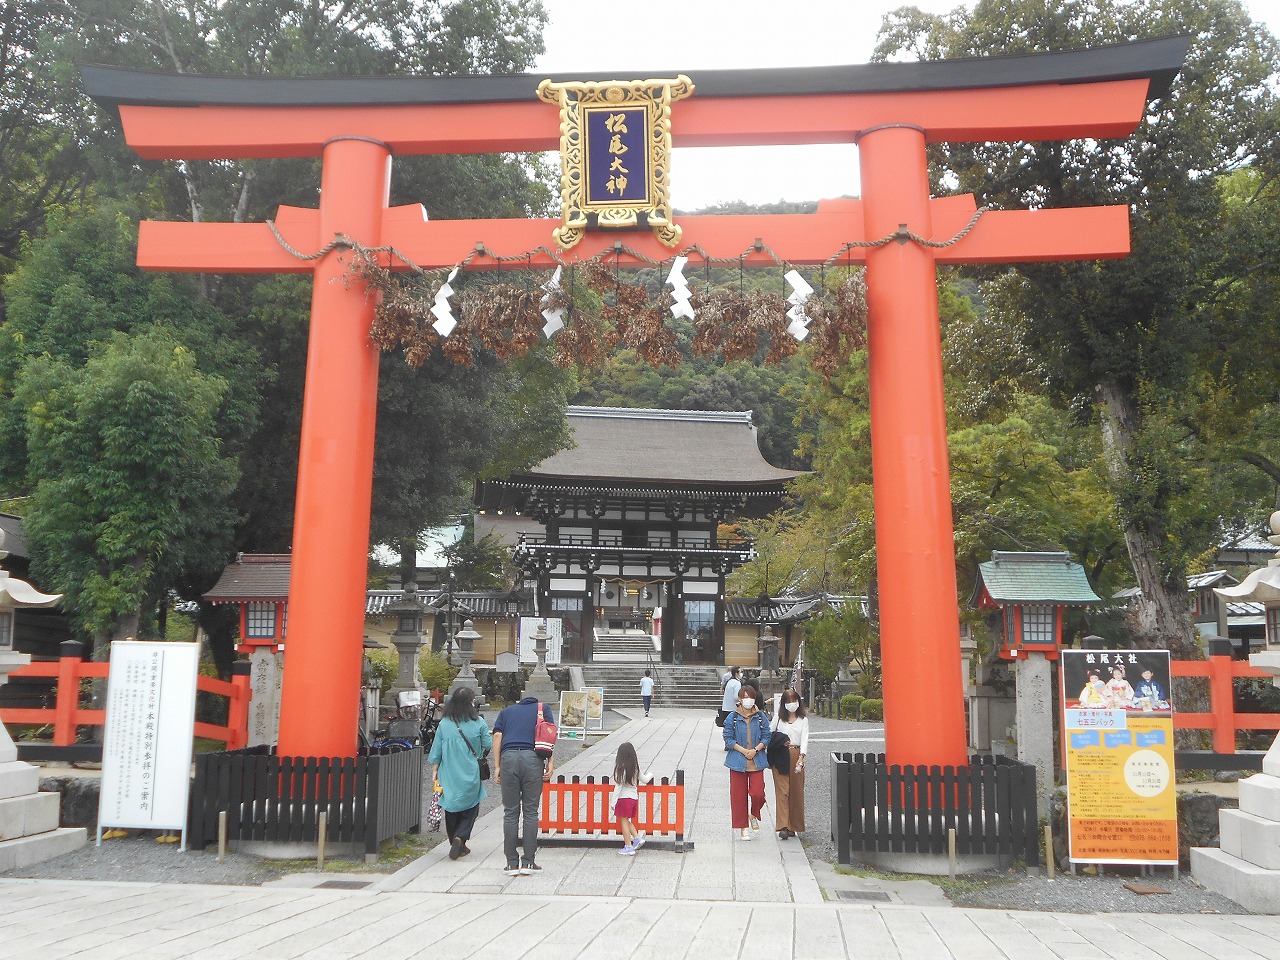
[(1012, 890), (139, 858)]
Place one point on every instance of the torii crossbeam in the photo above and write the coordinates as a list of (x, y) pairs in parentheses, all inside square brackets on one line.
[(892, 111)]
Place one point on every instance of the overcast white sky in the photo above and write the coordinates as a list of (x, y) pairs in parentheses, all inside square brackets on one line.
[(588, 37)]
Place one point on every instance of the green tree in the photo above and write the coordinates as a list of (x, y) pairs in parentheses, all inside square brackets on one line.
[(839, 637), (1124, 336), (40, 162), (131, 485), (358, 38)]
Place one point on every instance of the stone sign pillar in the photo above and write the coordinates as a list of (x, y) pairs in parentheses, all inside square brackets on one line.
[(1034, 712), (265, 679)]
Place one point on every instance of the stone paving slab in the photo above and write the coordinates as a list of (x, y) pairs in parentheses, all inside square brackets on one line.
[(193, 922)]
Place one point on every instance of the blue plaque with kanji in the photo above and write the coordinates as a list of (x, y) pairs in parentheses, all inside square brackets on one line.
[(615, 153)]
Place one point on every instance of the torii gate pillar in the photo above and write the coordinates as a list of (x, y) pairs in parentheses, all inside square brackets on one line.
[(912, 486), (335, 462)]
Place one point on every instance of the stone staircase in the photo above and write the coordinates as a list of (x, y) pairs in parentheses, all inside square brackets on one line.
[(623, 646), (693, 687)]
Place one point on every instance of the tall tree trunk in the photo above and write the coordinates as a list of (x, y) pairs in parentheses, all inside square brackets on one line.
[(1162, 614)]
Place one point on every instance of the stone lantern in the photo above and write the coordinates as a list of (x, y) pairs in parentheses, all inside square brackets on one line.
[(407, 639), (1245, 865), (540, 684), (30, 818), (466, 639)]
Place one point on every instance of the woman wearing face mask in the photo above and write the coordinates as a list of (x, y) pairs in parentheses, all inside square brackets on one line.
[(746, 735), (788, 788)]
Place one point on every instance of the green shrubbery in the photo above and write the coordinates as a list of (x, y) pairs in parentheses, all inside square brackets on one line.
[(872, 710), (436, 671), (850, 704)]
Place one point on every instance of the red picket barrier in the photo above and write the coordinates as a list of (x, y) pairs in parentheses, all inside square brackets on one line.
[(66, 716)]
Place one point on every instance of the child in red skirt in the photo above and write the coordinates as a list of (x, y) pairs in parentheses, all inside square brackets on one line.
[(624, 801)]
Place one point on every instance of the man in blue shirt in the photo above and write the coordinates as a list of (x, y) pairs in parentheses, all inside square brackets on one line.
[(646, 691), (519, 770)]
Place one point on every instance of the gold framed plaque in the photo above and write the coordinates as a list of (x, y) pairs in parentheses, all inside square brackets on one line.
[(615, 155)]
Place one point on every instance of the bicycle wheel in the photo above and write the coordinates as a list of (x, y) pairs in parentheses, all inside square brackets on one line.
[(397, 743)]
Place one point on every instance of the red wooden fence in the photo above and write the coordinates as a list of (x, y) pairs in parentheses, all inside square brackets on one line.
[(1222, 718), (66, 716), (573, 806)]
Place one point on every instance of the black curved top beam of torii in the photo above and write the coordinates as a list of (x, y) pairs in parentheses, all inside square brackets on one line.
[(1157, 61)]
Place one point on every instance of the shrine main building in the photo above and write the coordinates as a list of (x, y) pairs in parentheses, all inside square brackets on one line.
[(623, 531)]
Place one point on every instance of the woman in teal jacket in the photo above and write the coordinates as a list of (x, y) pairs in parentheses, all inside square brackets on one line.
[(462, 738), (746, 737)]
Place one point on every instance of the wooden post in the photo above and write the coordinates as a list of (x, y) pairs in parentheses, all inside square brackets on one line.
[(1048, 850), (1221, 697), (238, 707), (68, 697)]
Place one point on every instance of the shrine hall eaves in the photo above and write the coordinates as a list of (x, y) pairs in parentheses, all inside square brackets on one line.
[(1156, 60), (645, 446)]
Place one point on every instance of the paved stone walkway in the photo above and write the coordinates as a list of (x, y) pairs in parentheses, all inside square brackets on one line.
[(724, 899), (721, 867)]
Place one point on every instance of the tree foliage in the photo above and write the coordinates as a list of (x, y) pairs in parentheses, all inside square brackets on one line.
[(77, 291), (131, 486), (1126, 337)]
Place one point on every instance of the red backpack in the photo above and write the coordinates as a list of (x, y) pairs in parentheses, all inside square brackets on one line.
[(545, 734)]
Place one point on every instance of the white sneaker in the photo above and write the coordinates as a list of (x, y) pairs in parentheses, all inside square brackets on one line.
[(746, 834), (755, 823), (637, 843)]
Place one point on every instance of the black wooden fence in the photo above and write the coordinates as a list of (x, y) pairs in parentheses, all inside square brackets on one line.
[(367, 799), (991, 805)]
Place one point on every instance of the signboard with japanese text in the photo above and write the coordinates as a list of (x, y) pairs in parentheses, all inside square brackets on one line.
[(1118, 740), (615, 155), (555, 633), (147, 739)]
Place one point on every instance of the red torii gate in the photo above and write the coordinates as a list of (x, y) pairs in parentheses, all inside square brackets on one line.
[(891, 111)]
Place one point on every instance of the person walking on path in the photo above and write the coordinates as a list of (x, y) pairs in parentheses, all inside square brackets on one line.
[(788, 788), (462, 740), (729, 702), (746, 736), (646, 691), (624, 801), (519, 770)]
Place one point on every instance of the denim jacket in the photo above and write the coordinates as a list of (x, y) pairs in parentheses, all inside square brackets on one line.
[(736, 727)]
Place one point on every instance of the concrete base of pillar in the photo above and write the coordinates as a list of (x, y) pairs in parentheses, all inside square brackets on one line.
[(1253, 887), (932, 865)]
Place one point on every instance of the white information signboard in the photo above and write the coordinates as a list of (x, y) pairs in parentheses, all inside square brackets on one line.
[(555, 632), (147, 741)]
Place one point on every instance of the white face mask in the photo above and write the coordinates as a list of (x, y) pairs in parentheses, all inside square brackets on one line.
[(793, 707), (748, 703)]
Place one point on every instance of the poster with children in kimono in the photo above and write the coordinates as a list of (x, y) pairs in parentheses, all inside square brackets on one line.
[(1117, 738)]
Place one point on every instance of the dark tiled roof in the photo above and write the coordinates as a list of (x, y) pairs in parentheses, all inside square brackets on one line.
[(489, 605), (787, 609), (1034, 578), (253, 576), (662, 445)]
